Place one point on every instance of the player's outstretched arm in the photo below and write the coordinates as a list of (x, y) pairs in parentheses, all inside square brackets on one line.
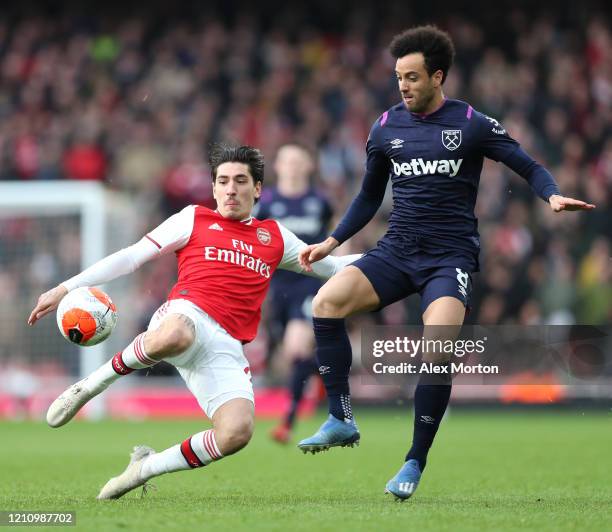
[(364, 206), (323, 267), (120, 263), (561, 203), (47, 302), (170, 235), (499, 146), (316, 252)]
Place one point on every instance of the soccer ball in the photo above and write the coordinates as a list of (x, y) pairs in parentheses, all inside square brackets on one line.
[(86, 316)]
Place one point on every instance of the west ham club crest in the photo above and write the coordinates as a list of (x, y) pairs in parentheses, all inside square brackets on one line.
[(451, 139)]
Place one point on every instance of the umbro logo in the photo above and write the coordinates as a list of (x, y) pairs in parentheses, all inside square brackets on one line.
[(397, 143), (216, 227), (324, 370), (428, 419)]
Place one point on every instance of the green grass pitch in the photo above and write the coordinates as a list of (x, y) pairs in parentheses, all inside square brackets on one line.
[(500, 470)]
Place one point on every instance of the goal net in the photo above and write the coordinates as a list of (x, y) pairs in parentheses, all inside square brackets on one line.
[(50, 231)]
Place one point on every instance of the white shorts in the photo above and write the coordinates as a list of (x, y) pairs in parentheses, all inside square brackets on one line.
[(214, 367)]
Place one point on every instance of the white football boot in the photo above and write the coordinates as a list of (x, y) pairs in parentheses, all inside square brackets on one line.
[(65, 407), (130, 478)]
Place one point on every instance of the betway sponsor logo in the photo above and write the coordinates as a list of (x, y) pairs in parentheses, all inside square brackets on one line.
[(239, 258), (421, 167)]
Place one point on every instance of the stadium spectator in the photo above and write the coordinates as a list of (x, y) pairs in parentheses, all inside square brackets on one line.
[(145, 86)]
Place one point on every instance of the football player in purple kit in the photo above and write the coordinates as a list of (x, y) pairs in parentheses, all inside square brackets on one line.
[(295, 203), (432, 148)]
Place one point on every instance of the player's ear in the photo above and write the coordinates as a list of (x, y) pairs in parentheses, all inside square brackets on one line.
[(437, 76), (258, 189)]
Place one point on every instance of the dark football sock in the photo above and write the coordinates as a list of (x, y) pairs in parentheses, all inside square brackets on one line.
[(334, 357), (430, 402), (301, 371)]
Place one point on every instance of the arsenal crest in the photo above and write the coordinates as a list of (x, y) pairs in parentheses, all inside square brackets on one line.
[(264, 236), (451, 139)]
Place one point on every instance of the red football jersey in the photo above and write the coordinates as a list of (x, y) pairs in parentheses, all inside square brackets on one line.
[(225, 267)]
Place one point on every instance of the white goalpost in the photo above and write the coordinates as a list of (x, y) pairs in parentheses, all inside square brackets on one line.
[(48, 232)]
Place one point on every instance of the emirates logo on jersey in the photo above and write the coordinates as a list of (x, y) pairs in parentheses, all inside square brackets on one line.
[(264, 236)]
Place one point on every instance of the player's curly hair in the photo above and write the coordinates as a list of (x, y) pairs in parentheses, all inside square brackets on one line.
[(226, 153), (435, 44)]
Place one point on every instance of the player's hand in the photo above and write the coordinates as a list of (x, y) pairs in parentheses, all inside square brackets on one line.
[(561, 203), (47, 302), (315, 252)]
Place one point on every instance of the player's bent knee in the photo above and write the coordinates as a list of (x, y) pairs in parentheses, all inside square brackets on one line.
[(324, 307), (233, 423), (234, 436), (179, 339), (344, 294), (436, 338), (173, 337)]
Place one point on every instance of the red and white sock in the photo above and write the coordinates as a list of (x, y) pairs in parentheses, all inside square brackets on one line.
[(132, 357), (197, 451)]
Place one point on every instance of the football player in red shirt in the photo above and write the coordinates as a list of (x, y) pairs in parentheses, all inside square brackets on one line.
[(225, 261)]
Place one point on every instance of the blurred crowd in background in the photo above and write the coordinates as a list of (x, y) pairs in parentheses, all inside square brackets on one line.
[(133, 98)]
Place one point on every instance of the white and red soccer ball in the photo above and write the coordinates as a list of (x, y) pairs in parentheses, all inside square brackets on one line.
[(86, 316)]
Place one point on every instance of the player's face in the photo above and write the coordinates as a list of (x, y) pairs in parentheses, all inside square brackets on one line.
[(235, 190), (293, 165), (420, 91)]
